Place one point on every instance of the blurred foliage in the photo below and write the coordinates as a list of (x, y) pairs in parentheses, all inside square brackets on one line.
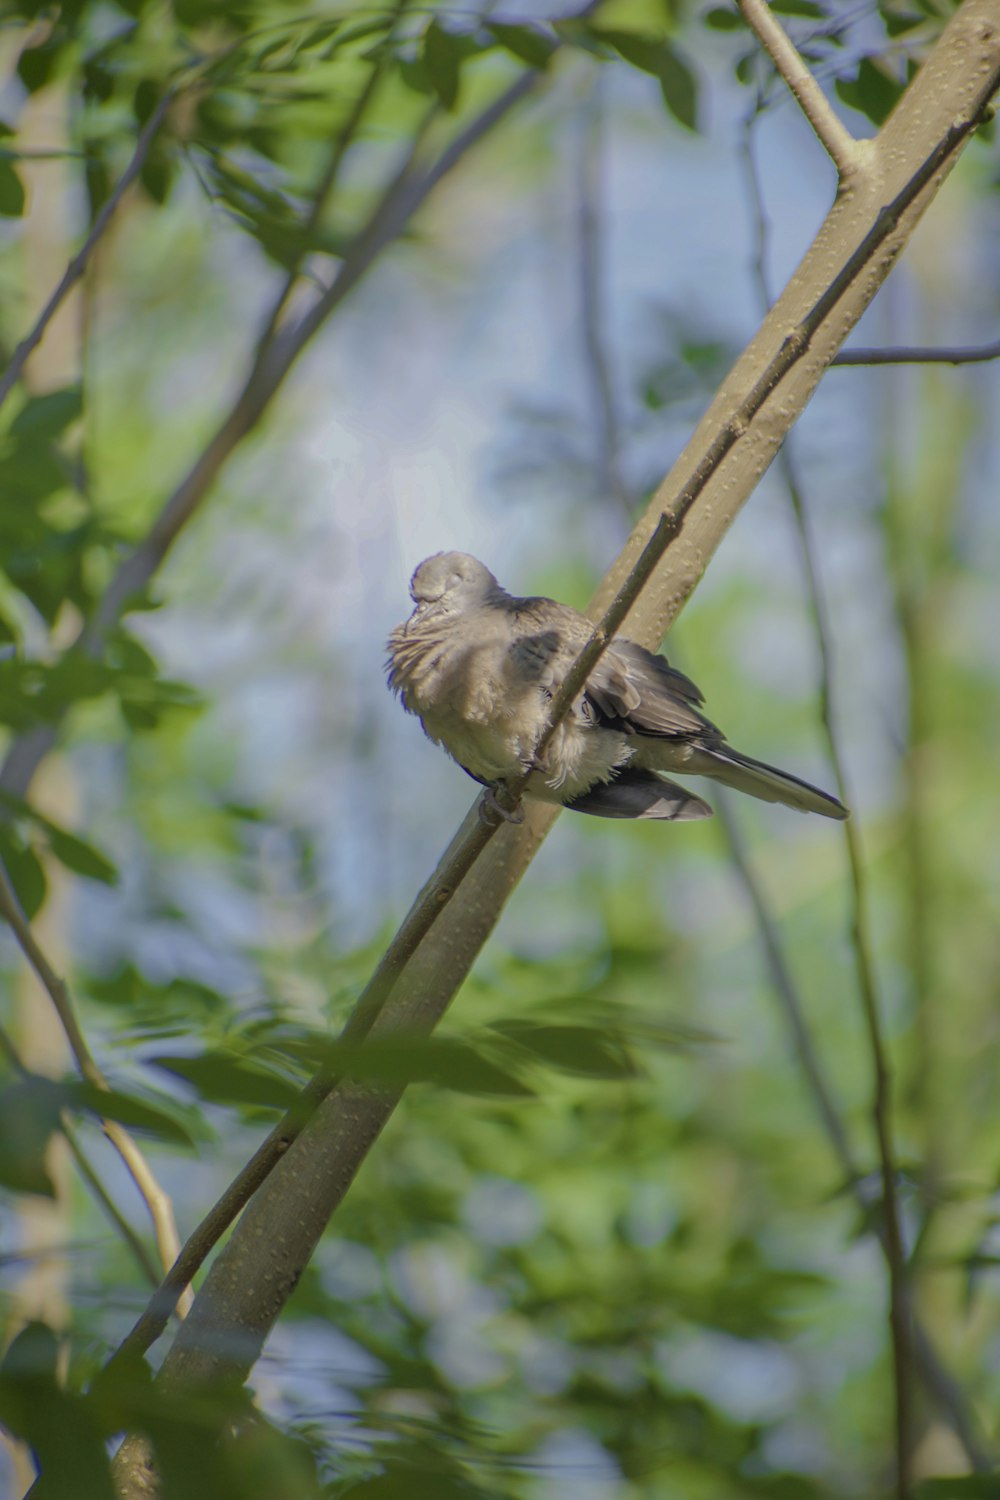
[(604, 1245)]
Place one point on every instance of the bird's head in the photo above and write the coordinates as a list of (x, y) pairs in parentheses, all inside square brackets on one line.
[(450, 582)]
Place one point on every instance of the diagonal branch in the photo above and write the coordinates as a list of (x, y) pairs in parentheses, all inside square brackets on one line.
[(848, 155), (157, 1202), (78, 264)]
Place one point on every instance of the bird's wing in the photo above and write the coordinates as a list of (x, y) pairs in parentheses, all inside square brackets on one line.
[(630, 689), (635, 691)]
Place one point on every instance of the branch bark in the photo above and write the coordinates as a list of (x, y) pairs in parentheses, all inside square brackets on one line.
[(863, 233), (920, 354), (847, 154)]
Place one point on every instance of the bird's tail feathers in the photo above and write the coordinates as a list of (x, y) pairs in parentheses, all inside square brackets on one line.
[(641, 794), (758, 779)]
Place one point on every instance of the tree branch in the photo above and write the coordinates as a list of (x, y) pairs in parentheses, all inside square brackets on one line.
[(847, 154), (328, 181), (602, 394), (157, 1202), (920, 355), (78, 264), (87, 1170)]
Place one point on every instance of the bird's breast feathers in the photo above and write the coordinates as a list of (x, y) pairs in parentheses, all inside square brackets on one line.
[(485, 706)]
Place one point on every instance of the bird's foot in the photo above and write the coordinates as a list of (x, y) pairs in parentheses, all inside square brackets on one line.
[(492, 810)]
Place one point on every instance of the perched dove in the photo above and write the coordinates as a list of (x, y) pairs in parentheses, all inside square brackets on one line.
[(479, 668)]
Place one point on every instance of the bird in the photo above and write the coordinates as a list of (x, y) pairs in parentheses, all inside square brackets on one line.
[(479, 667)]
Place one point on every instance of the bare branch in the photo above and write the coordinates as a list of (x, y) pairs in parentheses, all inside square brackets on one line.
[(846, 153), (157, 1202), (939, 1383), (605, 413), (784, 986), (78, 264), (920, 355)]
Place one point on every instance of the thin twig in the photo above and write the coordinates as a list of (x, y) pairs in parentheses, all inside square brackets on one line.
[(157, 1202), (78, 264), (602, 393), (920, 355), (760, 237), (899, 1293), (944, 1390), (477, 832), (846, 153), (784, 986), (86, 1168), (900, 1320), (89, 1174)]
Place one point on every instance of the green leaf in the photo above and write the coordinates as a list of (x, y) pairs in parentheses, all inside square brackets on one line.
[(62, 1429), (80, 857), (724, 20), (29, 1116), (73, 852), (30, 471), (441, 57), (24, 869), (872, 92), (177, 1004), (656, 56), (680, 89), (645, 52), (586, 1050), (355, 33), (127, 1109), (413, 72), (960, 1487), (11, 192), (807, 8), (36, 65), (157, 173), (898, 25), (528, 43), (48, 416), (395, 1062), (227, 1078)]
